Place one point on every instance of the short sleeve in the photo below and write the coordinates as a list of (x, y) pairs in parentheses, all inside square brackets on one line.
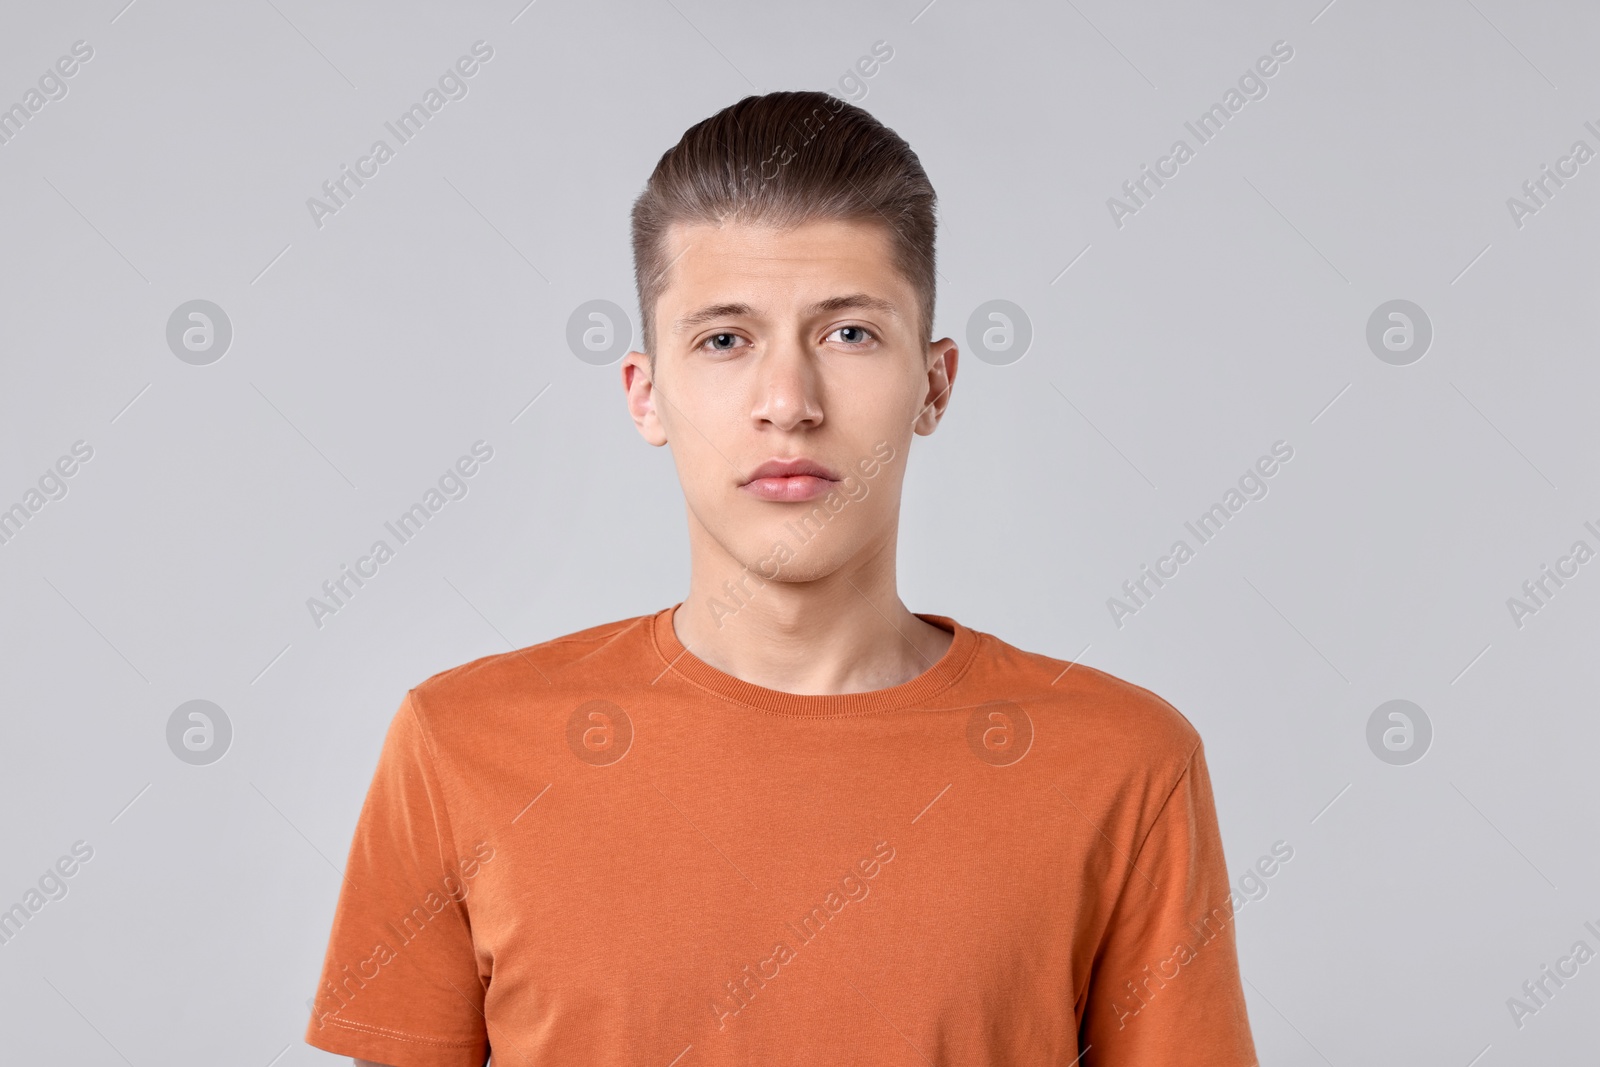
[(400, 983), (1164, 990)]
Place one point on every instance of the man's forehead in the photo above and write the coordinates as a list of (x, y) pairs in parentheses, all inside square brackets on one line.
[(815, 262)]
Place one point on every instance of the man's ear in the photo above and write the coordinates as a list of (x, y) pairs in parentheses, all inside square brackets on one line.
[(943, 355), (637, 383)]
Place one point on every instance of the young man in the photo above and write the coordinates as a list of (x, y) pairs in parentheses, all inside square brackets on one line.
[(787, 820)]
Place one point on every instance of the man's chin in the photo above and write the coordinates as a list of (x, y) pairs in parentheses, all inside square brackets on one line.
[(782, 556)]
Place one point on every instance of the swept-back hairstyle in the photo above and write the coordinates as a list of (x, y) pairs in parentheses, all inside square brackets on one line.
[(783, 159)]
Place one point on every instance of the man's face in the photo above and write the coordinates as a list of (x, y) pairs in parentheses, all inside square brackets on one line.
[(793, 347)]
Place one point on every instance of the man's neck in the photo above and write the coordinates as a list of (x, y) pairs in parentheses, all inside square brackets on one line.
[(847, 632)]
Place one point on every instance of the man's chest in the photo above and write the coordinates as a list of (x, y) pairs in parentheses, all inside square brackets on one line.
[(779, 909)]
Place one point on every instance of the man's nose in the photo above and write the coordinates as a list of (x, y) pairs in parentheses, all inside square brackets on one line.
[(788, 386)]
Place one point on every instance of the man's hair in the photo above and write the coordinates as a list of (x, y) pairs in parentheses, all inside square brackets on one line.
[(783, 159)]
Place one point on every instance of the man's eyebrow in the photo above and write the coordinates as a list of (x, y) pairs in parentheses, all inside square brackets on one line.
[(856, 302), (851, 302), (710, 313)]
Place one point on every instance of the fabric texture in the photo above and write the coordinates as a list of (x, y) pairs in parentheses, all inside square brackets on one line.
[(603, 850)]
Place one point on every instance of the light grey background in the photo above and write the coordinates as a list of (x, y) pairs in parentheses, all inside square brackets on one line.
[(1229, 313)]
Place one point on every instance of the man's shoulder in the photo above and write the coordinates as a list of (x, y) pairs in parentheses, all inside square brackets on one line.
[(1102, 711), (559, 663)]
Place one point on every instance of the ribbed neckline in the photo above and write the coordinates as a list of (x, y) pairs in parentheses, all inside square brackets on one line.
[(944, 673)]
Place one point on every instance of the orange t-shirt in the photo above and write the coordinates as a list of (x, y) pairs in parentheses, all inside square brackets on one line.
[(603, 850)]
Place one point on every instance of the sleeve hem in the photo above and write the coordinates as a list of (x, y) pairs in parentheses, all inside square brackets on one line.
[(381, 1044)]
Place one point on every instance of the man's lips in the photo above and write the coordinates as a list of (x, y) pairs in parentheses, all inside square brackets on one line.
[(790, 480)]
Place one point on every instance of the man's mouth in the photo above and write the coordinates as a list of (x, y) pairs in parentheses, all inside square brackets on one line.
[(790, 480)]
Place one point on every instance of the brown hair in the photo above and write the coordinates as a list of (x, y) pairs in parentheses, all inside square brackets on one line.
[(783, 159)]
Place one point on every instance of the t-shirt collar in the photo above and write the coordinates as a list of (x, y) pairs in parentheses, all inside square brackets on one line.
[(937, 678)]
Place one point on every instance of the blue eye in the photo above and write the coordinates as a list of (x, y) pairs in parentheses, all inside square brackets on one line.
[(721, 342), (861, 334)]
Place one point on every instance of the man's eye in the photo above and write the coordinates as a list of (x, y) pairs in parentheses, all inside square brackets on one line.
[(722, 342), (853, 335)]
